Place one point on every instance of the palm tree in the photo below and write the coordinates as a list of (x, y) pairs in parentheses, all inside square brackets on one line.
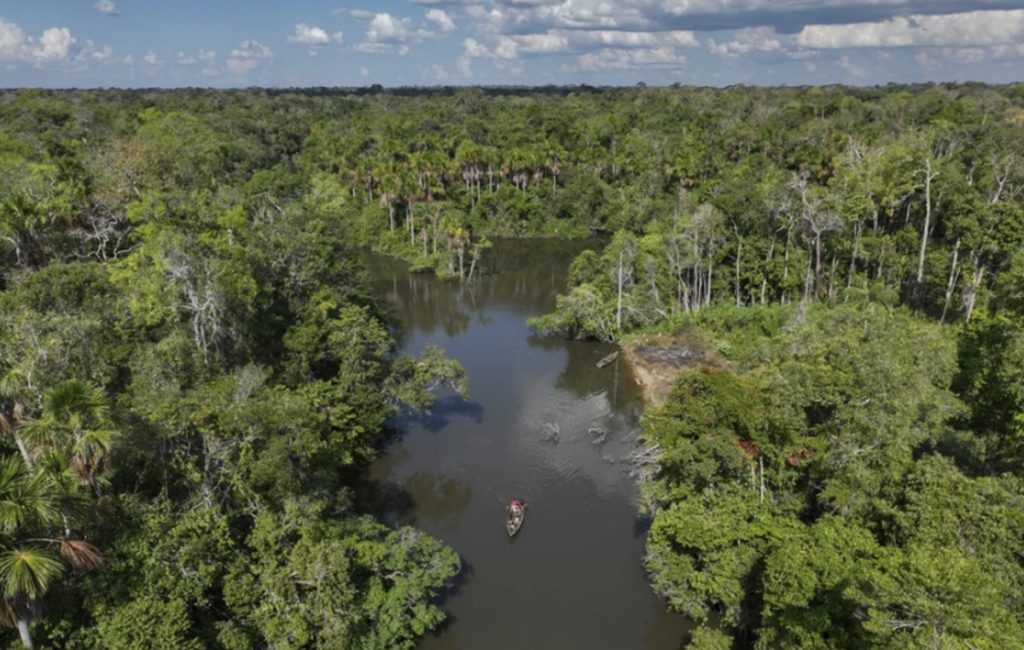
[(29, 560), (75, 426), (25, 575)]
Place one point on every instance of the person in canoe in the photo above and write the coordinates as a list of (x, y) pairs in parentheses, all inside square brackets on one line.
[(516, 513)]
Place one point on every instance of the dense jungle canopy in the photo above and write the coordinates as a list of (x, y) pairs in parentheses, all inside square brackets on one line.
[(193, 371)]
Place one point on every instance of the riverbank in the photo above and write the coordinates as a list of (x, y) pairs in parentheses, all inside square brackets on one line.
[(657, 360)]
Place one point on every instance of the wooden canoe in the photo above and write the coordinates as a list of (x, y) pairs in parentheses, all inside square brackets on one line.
[(515, 521), (608, 359)]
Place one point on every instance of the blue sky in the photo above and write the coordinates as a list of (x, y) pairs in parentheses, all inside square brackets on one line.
[(230, 43)]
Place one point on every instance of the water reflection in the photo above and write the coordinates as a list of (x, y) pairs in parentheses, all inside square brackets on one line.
[(439, 416), (439, 499), (524, 277)]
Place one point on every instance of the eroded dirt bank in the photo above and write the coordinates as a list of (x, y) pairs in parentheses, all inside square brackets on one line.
[(658, 359)]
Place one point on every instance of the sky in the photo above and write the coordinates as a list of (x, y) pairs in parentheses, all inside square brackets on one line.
[(281, 43)]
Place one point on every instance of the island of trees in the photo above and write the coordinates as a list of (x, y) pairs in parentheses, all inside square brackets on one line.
[(193, 371)]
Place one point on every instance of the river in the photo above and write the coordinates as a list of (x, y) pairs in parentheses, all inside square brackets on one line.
[(542, 424)]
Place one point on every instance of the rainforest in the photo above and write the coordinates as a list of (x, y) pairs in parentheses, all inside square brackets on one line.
[(272, 361)]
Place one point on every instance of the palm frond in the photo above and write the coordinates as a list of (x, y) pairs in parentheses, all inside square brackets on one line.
[(12, 382), (25, 496), (80, 554), (76, 399), (39, 431), (27, 572), (8, 616)]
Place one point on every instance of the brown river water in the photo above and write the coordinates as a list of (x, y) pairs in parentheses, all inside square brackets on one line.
[(542, 424)]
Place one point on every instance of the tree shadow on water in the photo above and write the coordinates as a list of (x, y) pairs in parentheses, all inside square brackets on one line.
[(438, 416), (451, 590), (388, 501), (642, 524)]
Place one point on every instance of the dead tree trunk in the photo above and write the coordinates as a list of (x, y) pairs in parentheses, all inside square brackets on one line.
[(929, 176), (954, 272)]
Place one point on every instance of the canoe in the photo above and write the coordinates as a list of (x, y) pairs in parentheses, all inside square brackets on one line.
[(515, 521), (608, 359)]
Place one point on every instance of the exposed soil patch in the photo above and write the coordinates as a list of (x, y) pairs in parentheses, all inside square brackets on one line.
[(658, 359)]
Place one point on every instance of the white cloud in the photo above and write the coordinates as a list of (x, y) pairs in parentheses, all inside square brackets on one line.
[(100, 54), (151, 59), (207, 58), (313, 36), (437, 72), (381, 48), (385, 28), (440, 18), (103, 54), (359, 14), (622, 59), (473, 48), (52, 46), (961, 29), (752, 39), (526, 16), (557, 41), (509, 47), (247, 57), (106, 7), (250, 49), (619, 38), (465, 66), (853, 69)]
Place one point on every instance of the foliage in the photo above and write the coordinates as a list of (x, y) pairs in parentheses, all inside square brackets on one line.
[(192, 375), (192, 369), (823, 491)]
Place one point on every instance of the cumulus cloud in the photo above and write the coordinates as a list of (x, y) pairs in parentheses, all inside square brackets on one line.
[(206, 58), (612, 38), (102, 54), (523, 16), (436, 72), (371, 47), (92, 53), (151, 59), (306, 34), (440, 18), (52, 46), (106, 6), (249, 55), (385, 28), (386, 33), (752, 39), (960, 29), (509, 47), (577, 42), (623, 59), (849, 66)]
